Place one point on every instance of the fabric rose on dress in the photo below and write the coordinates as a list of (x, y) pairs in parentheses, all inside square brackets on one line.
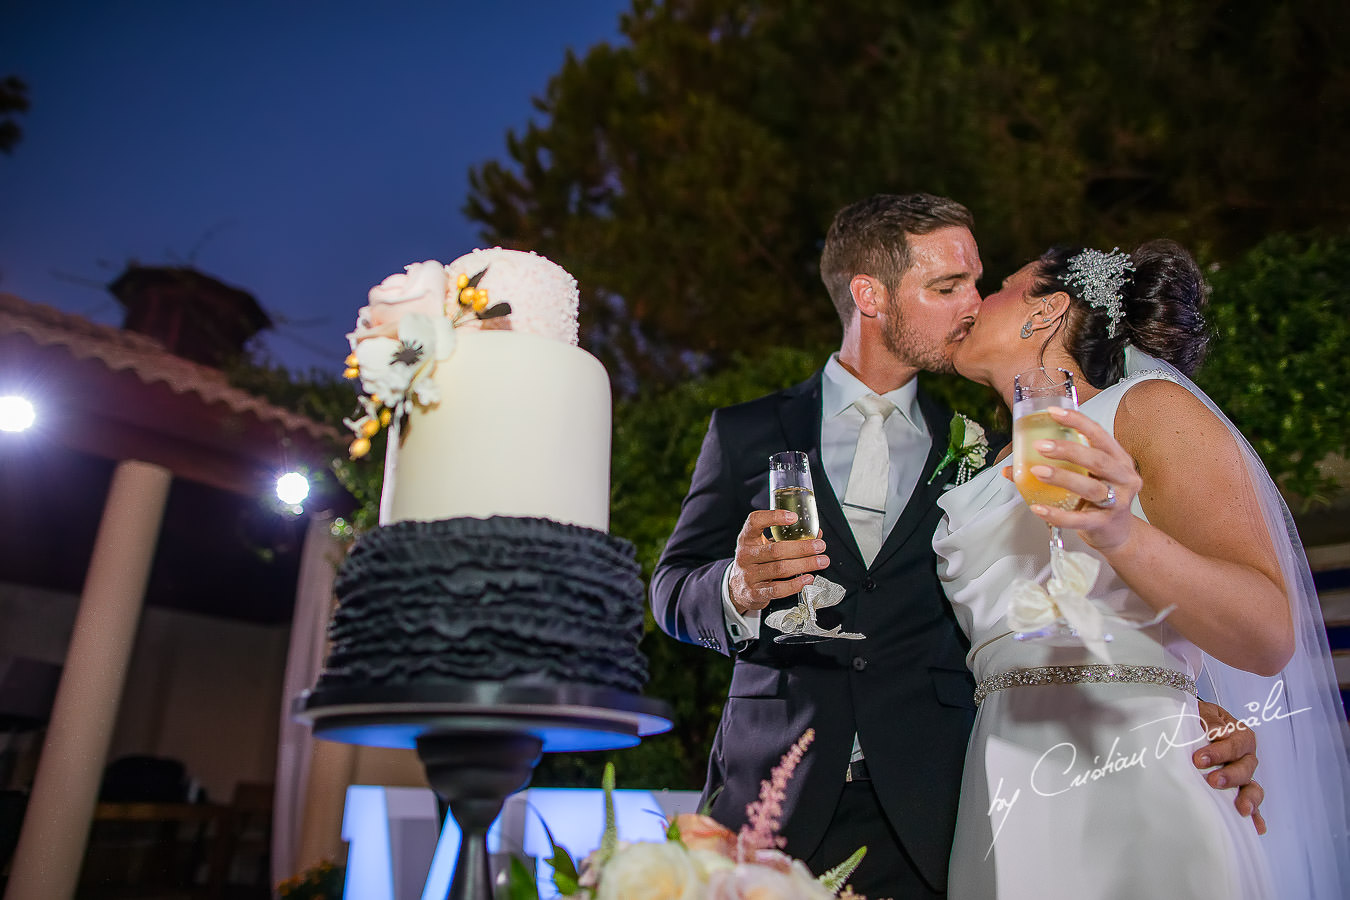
[(706, 833), (650, 871), (420, 288)]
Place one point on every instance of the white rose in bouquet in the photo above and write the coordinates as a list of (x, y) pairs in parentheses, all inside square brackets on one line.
[(650, 871)]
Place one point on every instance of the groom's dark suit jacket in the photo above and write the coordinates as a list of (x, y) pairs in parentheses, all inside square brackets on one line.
[(904, 689)]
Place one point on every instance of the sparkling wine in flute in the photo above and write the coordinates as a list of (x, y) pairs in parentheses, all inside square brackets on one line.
[(790, 488), (802, 501), (1028, 428)]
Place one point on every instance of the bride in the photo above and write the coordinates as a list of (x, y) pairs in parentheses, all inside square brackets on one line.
[(1078, 781)]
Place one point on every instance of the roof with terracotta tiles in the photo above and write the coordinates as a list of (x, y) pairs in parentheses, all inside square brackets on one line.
[(146, 358)]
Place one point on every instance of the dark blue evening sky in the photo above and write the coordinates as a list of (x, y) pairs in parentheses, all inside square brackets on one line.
[(300, 150)]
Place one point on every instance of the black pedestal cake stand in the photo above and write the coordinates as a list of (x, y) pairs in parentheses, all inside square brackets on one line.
[(480, 742)]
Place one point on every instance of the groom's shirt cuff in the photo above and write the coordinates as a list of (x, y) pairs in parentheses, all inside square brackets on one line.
[(742, 628)]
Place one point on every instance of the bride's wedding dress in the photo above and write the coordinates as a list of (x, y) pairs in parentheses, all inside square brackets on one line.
[(1083, 787)]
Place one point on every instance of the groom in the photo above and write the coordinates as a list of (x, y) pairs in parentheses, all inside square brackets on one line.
[(891, 711)]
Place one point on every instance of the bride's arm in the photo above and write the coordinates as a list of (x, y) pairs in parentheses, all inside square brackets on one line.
[(1205, 547)]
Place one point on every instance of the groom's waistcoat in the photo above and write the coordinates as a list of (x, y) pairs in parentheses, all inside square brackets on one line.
[(904, 689)]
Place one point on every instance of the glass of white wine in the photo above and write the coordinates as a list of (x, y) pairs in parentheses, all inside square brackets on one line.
[(1035, 392), (790, 488)]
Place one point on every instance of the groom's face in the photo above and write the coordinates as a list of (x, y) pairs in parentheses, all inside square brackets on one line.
[(931, 310)]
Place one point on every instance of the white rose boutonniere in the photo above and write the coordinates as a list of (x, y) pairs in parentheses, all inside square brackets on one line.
[(967, 447)]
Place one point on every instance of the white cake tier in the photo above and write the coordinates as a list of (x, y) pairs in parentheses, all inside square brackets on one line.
[(522, 429)]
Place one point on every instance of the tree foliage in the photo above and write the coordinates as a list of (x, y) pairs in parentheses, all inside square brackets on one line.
[(1280, 365), (13, 102), (687, 175)]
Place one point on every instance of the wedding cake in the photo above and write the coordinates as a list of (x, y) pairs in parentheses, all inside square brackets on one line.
[(492, 561)]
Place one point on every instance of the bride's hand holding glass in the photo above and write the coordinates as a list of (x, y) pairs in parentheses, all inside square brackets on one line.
[(1108, 487)]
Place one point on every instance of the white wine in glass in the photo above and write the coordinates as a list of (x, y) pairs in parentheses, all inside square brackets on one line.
[(790, 488), (1034, 394)]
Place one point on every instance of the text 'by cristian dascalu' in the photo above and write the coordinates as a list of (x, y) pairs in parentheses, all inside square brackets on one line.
[(1058, 771)]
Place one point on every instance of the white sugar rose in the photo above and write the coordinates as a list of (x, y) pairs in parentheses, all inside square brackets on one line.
[(650, 871), (420, 288)]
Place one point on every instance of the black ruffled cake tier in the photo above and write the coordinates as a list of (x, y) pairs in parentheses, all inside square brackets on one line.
[(524, 600)]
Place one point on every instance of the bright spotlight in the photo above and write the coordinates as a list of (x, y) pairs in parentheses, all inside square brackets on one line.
[(292, 488), (16, 413)]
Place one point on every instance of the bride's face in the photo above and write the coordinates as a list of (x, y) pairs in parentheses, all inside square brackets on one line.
[(994, 342)]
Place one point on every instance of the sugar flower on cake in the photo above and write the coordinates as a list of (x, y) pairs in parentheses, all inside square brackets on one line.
[(407, 327), (419, 288)]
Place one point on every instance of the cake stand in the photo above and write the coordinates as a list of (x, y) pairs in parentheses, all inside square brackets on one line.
[(480, 742)]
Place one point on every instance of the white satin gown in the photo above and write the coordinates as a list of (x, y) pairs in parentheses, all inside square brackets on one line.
[(1083, 791)]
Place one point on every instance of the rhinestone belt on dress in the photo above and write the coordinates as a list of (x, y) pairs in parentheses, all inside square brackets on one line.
[(1084, 674)]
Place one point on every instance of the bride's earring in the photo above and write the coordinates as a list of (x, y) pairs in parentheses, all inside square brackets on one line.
[(1026, 329)]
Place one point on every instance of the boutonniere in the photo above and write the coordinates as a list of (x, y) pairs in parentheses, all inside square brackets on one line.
[(967, 447)]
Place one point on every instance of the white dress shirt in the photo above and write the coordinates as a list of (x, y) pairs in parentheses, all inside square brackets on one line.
[(907, 439)]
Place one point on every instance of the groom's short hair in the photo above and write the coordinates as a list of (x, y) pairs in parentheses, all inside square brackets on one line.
[(871, 237)]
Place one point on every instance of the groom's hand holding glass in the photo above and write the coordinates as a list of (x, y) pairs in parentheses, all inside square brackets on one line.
[(765, 570)]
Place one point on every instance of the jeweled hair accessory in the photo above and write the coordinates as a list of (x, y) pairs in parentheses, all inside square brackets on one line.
[(1099, 277)]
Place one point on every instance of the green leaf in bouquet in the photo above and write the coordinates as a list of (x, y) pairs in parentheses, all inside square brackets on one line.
[(520, 881), (673, 832), (835, 879), (565, 876), (705, 808), (609, 841)]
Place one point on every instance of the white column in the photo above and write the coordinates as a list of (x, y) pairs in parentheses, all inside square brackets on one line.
[(56, 827), (319, 560)]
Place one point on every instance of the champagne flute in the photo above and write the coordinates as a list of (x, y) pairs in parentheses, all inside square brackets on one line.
[(1035, 393), (790, 488)]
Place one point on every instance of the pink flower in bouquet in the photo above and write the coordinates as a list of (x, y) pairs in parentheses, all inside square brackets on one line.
[(773, 859), (420, 288), (760, 831), (706, 833)]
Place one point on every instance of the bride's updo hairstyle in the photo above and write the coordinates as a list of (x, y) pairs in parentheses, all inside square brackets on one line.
[(1161, 301)]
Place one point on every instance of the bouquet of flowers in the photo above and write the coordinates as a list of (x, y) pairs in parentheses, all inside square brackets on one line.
[(700, 858), (320, 882)]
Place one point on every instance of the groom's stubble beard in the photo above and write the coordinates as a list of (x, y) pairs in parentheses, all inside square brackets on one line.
[(910, 346)]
